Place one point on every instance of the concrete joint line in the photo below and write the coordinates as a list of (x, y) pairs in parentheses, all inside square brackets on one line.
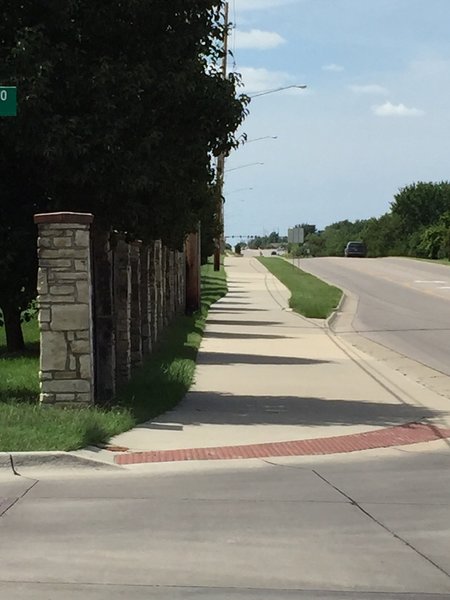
[(364, 366), (382, 525), (267, 277), (23, 494)]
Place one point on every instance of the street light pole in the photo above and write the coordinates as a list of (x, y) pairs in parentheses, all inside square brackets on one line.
[(220, 240), (221, 162)]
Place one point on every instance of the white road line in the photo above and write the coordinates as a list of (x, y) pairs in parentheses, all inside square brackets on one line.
[(434, 281)]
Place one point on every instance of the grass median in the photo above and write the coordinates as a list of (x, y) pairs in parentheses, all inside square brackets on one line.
[(157, 386), (310, 296)]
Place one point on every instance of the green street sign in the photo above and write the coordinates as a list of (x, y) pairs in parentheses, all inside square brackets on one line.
[(8, 101)]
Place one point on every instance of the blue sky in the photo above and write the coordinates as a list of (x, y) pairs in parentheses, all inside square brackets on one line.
[(374, 118)]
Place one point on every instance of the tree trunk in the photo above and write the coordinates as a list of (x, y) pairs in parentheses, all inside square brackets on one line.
[(13, 329), (103, 319)]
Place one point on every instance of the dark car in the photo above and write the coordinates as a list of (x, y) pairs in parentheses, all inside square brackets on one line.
[(355, 249)]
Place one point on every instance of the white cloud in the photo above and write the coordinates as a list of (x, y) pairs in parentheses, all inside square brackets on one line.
[(396, 110), (257, 39), (256, 80), (248, 5), (371, 88), (333, 67)]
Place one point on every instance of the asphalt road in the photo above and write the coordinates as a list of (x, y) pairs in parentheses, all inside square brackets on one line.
[(330, 528), (403, 304)]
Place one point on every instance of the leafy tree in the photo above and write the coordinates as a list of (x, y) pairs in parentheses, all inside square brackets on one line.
[(19, 196), (421, 204), (385, 236), (315, 243), (308, 229), (338, 234), (434, 240), (122, 106)]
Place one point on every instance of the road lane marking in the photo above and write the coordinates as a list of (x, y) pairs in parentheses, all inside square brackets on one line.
[(431, 281)]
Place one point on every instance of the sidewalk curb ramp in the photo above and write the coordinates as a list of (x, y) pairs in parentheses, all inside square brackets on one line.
[(14, 460)]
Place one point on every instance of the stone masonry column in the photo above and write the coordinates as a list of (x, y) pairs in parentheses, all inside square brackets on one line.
[(145, 291), (172, 283), (176, 266), (135, 333), (152, 296), (192, 278), (104, 345), (159, 290), (65, 308), (182, 282), (168, 298), (122, 309), (165, 286)]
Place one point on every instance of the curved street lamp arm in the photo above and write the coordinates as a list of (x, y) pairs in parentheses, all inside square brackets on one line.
[(287, 87)]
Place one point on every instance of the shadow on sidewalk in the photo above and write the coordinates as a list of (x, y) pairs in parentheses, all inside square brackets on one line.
[(258, 323), (229, 308), (226, 304), (245, 336), (202, 408), (228, 358)]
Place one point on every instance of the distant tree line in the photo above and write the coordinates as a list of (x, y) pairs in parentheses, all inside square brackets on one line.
[(418, 224), (267, 241), (122, 108)]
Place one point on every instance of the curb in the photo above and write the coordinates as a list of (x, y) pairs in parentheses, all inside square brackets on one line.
[(59, 459), (337, 311), (397, 435)]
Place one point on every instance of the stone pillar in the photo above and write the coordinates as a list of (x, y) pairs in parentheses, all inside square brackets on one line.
[(122, 310), (193, 273), (182, 282), (169, 286), (159, 289), (65, 309), (176, 278), (172, 283), (104, 335), (165, 287), (136, 336), (145, 289), (152, 295)]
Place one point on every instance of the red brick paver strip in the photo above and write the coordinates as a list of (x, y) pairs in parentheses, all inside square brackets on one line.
[(401, 435)]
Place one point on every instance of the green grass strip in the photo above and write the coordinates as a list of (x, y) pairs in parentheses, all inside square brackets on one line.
[(156, 387), (310, 296)]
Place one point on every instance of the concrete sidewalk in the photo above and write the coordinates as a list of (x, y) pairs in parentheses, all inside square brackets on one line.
[(266, 374)]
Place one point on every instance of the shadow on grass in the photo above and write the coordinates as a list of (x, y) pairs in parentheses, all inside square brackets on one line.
[(19, 395), (31, 351), (166, 375), (94, 434)]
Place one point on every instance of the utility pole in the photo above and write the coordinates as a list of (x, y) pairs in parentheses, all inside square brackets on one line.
[(221, 160)]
